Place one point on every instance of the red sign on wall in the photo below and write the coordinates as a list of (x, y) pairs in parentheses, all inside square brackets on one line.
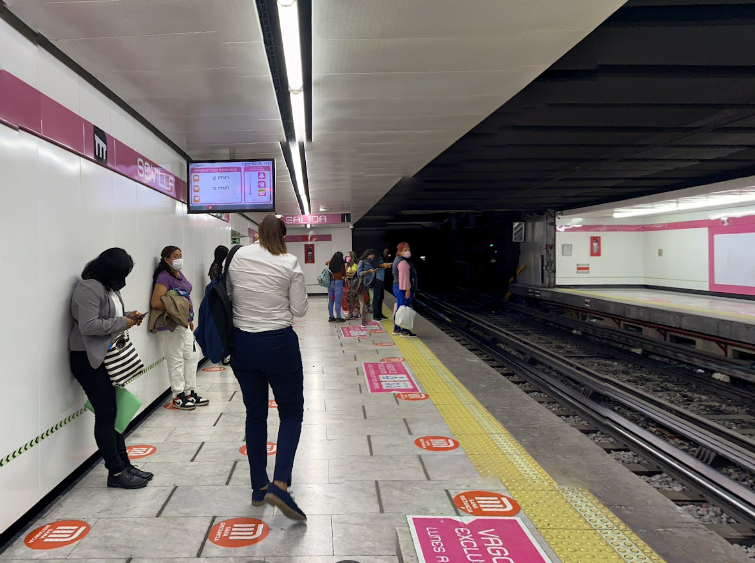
[(309, 253), (595, 246)]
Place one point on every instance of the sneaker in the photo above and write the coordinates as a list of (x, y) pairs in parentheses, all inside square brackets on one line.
[(331, 320), (182, 402), (258, 497), (285, 502), (146, 475), (197, 400), (340, 320), (126, 480), (396, 331), (408, 334)]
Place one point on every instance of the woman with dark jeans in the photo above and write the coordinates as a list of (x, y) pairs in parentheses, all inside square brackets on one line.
[(99, 319), (266, 286)]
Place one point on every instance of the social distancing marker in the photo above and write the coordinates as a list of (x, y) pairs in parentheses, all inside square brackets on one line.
[(485, 503), (140, 451), (272, 405), (216, 368), (392, 359), (436, 443), (412, 396), (238, 532), (389, 377), (57, 535), (272, 449), (384, 344)]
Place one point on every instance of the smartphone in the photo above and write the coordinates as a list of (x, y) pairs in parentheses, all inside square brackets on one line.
[(140, 317)]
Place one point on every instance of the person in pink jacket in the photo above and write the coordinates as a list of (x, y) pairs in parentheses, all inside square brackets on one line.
[(404, 284)]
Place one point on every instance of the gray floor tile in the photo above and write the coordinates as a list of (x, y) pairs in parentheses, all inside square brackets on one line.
[(146, 435), (305, 471), (353, 497), (186, 474), (404, 445), (207, 434), (332, 559), (220, 452), (367, 533), (86, 503), (174, 419), (370, 468), (402, 410), (143, 537), (286, 538), (428, 427), (393, 427), (333, 449), (210, 501), (415, 497), (172, 451), (446, 468)]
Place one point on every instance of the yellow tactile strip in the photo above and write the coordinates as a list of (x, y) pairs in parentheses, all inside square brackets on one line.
[(574, 523)]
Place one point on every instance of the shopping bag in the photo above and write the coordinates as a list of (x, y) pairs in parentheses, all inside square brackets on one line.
[(128, 405), (405, 317)]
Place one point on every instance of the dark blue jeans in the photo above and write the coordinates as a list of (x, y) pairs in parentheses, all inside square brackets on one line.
[(335, 295), (272, 358), (401, 299)]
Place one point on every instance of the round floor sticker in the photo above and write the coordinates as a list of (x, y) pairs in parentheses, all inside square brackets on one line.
[(140, 451), (57, 534), (238, 532), (393, 359), (216, 368), (436, 443), (384, 344), (412, 396), (485, 503), (272, 449)]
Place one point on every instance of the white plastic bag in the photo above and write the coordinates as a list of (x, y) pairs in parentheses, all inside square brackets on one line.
[(405, 317)]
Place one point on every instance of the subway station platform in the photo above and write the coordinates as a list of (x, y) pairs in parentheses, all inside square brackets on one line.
[(725, 317), (461, 466)]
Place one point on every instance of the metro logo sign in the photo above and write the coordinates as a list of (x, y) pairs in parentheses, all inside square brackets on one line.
[(486, 503), (57, 534), (239, 532), (436, 443)]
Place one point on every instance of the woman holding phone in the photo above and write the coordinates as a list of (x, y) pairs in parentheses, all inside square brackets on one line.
[(99, 318)]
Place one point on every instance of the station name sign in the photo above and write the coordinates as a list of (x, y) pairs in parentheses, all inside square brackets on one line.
[(321, 219)]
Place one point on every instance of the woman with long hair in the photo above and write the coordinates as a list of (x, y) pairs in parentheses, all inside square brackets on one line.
[(99, 319), (180, 349), (404, 284), (350, 303), (337, 266), (216, 270), (267, 288)]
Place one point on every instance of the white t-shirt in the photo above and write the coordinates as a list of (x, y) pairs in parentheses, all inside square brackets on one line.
[(267, 291), (118, 311)]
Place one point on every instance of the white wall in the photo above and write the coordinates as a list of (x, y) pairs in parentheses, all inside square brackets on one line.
[(324, 250), (621, 260), (684, 260), (60, 211)]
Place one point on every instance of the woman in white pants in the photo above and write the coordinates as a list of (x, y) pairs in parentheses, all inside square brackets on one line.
[(180, 349)]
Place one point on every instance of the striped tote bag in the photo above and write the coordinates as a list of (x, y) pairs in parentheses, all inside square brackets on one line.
[(122, 362)]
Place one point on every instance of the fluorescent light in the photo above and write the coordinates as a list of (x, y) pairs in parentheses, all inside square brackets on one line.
[(300, 123), (288, 15), (296, 157)]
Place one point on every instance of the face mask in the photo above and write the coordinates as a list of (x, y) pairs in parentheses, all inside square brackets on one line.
[(407, 254), (117, 285), (348, 259), (178, 263)]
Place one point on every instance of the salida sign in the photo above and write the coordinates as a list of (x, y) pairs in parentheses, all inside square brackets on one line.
[(479, 540)]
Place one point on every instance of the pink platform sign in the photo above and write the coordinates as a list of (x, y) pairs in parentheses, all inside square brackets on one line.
[(357, 331), (389, 377), (483, 540)]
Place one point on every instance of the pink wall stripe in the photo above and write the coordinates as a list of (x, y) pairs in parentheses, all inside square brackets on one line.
[(24, 107), (700, 224)]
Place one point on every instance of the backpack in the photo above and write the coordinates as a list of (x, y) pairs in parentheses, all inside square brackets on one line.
[(215, 329), (324, 278)]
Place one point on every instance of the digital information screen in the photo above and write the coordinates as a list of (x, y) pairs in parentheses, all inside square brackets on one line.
[(231, 186)]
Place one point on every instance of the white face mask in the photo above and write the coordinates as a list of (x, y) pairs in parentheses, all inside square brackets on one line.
[(407, 254), (178, 263)]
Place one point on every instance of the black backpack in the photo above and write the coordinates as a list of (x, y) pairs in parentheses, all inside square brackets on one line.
[(215, 329)]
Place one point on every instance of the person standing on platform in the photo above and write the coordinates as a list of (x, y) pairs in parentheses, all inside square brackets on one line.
[(180, 349), (267, 288), (216, 270), (99, 319), (337, 266), (349, 302), (404, 284), (387, 259)]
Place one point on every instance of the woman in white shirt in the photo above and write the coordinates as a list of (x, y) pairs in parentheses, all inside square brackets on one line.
[(267, 289)]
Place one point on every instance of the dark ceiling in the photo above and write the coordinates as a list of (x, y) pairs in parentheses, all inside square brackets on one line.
[(660, 97)]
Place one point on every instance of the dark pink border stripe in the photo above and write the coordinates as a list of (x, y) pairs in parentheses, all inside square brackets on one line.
[(24, 107), (309, 238), (700, 224)]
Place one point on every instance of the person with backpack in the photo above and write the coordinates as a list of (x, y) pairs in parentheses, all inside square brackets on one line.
[(337, 267), (266, 286), (170, 288), (404, 285), (221, 252)]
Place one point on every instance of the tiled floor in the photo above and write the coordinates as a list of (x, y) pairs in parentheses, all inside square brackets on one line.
[(358, 472)]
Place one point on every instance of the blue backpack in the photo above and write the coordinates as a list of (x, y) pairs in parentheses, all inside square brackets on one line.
[(215, 328), (324, 278)]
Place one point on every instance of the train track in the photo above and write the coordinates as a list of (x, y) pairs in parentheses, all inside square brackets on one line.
[(646, 422)]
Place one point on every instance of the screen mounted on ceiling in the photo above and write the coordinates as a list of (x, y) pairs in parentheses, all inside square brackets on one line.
[(232, 186)]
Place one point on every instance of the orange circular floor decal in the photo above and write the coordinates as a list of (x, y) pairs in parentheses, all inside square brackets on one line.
[(392, 360), (412, 396), (238, 532), (57, 534), (218, 368), (140, 451), (485, 503), (436, 443), (272, 449), (384, 344)]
